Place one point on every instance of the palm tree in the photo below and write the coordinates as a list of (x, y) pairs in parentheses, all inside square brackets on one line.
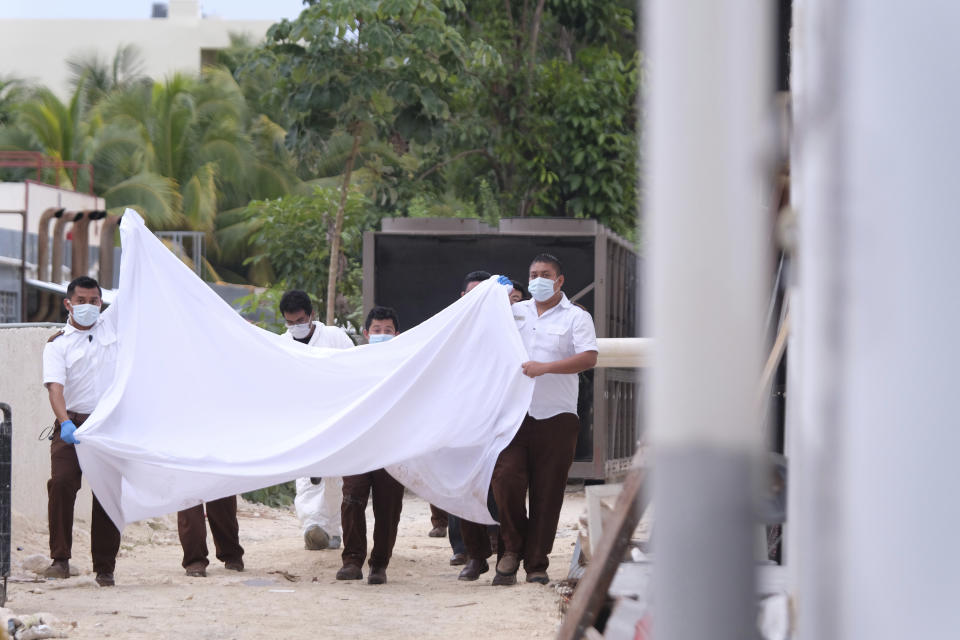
[(42, 122), (12, 91), (99, 77), (183, 152), (198, 135)]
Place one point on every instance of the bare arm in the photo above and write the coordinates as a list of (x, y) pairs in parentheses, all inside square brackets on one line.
[(57, 402), (574, 364)]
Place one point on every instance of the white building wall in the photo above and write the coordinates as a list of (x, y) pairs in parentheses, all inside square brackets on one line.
[(37, 50)]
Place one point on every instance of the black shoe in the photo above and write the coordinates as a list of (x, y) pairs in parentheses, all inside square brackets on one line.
[(378, 575), (58, 569), (196, 571), (105, 580), (438, 532), (350, 572), (540, 577), (504, 580), (475, 567), (233, 565), (458, 559)]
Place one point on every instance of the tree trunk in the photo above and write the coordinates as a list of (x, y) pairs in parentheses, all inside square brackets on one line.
[(337, 231)]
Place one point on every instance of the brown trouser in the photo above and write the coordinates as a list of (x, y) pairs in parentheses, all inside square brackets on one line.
[(538, 459), (62, 488), (481, 539), (387, 504), (476, 539), (222, 515), (438, 517)]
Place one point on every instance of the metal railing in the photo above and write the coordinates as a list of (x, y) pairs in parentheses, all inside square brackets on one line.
[(188, 245)]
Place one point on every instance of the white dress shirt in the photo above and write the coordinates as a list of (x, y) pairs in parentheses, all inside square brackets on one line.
[(561, 332), (84, 362), (327, 337)]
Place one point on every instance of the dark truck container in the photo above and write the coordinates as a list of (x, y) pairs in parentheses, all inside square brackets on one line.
[(417, 266)]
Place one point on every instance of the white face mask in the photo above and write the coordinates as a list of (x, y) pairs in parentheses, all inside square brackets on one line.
[(85, 315), (379, 337), (541, 289), (300, 331)]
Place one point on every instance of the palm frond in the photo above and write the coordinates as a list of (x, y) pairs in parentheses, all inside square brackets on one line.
[(200, 198), (155, 196)]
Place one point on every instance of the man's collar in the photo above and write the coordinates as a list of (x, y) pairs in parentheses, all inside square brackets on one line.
[(69, 328), (564, 302)]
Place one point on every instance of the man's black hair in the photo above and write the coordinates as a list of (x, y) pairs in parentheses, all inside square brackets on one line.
[(550, 259), (382, 313), (84, 282), (522, 289), (475, 276), (296, 300)]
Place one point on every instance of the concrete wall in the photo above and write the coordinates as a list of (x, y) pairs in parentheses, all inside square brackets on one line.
[(21, 349), (37, 50)]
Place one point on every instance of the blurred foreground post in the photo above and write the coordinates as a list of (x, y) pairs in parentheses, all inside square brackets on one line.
[(709, 95), (874, 425)]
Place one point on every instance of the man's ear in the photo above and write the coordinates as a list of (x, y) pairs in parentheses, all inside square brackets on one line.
[(559, 283), (65, 305), (366, 335)]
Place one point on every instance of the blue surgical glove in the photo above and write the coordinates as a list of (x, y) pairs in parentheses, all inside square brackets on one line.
[(67, 428), (505, 281)]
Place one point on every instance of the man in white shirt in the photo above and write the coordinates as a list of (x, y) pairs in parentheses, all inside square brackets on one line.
[(561, 342), (78, 365), (318, 499), (382, 324)]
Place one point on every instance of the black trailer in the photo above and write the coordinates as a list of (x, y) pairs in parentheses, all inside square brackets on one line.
[(417, 265)]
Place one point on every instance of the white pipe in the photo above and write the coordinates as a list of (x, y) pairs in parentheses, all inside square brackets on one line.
[(624, 352)]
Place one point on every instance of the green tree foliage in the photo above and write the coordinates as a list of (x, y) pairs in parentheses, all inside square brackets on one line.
[(580, 151), (187, 152), (99, 76), (554, 126), (11, 93), (368, 72), (293, 238)]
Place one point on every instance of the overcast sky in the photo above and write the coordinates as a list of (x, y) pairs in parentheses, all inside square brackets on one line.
[(132, 9)]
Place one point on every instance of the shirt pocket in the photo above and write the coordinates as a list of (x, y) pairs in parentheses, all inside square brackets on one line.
[(555, 337)]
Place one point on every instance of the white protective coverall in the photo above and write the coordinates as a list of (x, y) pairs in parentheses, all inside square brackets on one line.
[(319, 504)]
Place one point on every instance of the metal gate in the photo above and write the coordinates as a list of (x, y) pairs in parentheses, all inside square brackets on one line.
[(6, 435)]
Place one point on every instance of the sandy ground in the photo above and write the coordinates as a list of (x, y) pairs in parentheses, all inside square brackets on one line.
[(286, 591)]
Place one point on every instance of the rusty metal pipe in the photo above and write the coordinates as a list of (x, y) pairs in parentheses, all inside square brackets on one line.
[(108, 236), (80, 260), (56, 258), (43, 249)]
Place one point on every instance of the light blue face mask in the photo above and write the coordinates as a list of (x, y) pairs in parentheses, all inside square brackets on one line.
[(379, 337), (541, 289), (85, 315)]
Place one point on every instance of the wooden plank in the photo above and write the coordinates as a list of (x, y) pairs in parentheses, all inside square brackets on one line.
[(591, 591)]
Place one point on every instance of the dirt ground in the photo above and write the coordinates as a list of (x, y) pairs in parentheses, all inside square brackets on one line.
[(285, 591)]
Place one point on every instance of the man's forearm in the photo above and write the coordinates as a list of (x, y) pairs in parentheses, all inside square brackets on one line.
[(57, 401), (574, 364)]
